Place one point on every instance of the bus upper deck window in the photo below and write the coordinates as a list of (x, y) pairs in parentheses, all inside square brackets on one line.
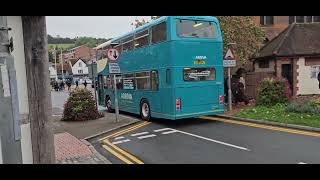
[(196, 29), (159, 33)]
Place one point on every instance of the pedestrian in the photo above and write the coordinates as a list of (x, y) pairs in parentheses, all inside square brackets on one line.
[(56, 86), (62, 85), (77, 84), (319, 79), (85, 84), (69, 85)]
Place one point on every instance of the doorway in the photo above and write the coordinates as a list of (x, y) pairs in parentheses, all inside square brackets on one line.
[(287, 72)]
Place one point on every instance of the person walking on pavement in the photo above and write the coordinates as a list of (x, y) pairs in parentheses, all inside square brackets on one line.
[(77, 84), (85, 84), (69, 85)]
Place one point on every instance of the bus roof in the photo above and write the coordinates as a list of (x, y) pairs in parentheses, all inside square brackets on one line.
[(163, 18), (103, 45)]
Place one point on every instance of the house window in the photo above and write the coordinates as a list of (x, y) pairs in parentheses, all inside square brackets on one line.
[(263, 64), (303, 19), (315, 70), (80, 64), (266, 20), (80, 71)]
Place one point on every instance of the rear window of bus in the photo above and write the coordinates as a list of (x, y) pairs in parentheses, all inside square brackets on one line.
[(199, 74), (196, 29)]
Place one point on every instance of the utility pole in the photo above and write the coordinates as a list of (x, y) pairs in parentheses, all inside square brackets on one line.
[(10, 135), (62, 64), (39, 99), (55, 62)]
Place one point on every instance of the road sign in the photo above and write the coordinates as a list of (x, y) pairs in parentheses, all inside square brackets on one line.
[(113, 55), (229, 59), (229, 55), (229, 63), (114, 68)]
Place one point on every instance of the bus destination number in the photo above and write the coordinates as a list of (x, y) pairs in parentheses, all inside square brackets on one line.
[(199, 62)]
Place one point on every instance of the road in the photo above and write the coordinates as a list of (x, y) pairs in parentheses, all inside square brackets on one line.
[(208, 141)]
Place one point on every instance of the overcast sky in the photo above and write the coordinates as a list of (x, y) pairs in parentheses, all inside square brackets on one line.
[(93, 26)]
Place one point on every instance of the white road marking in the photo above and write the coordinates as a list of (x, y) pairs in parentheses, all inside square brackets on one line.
[(117, 138), (212, 140), (119, 142), (147, 136), (169, 132), (164, 129), (138, 134)]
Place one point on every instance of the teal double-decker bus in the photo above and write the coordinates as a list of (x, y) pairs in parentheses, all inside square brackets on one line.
[(171, 68)]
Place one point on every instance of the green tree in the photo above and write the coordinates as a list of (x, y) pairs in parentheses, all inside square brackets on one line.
[(241, 30)]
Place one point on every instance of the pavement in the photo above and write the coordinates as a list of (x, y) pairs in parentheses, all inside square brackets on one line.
[(209, 141), (70, 144)]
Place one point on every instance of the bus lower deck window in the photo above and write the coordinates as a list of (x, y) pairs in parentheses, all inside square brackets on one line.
[(143, 81), (154, 81)]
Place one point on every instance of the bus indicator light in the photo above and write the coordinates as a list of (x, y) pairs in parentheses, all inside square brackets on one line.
[(220, 99)]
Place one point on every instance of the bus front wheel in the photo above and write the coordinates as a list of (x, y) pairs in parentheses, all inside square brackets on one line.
[(145, 111)]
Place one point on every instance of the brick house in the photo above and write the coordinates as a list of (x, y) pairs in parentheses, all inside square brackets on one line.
[(295, 55), (82, 52), (274, 25)]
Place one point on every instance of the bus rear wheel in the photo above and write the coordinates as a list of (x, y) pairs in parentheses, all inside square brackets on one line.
[(108, 105), (145, 111)]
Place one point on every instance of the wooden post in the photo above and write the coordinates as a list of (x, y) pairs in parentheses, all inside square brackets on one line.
[(37, 63)]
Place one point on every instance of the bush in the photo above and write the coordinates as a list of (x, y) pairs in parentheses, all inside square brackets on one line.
[(273, 91), (312, 107), (80, 106)]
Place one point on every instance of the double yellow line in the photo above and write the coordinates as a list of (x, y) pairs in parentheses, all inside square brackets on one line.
[(273, 128), (118, 152)]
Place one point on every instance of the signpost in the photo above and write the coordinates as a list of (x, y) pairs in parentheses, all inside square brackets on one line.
[(113, 56), (229, 61)]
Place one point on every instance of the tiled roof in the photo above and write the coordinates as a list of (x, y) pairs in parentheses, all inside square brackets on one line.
[(297, 39)]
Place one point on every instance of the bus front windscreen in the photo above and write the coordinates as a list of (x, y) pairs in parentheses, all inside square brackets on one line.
[(196, 29)]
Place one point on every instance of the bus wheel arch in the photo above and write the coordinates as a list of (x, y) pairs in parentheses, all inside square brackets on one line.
[(145, 109)]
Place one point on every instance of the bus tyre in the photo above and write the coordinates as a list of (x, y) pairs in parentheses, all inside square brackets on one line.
[(108, 105), (145, 111)]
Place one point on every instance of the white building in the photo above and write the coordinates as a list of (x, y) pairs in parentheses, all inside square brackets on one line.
[(79, 68), (15, 23), (53, 72)]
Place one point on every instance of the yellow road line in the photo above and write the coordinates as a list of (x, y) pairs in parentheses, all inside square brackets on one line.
[(122, 131), (128, 130), (117, 155), (121, 154), (131, 157), (293, 131)]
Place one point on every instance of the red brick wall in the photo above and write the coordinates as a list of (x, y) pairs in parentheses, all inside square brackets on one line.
[(280, 23), (82, 52)]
